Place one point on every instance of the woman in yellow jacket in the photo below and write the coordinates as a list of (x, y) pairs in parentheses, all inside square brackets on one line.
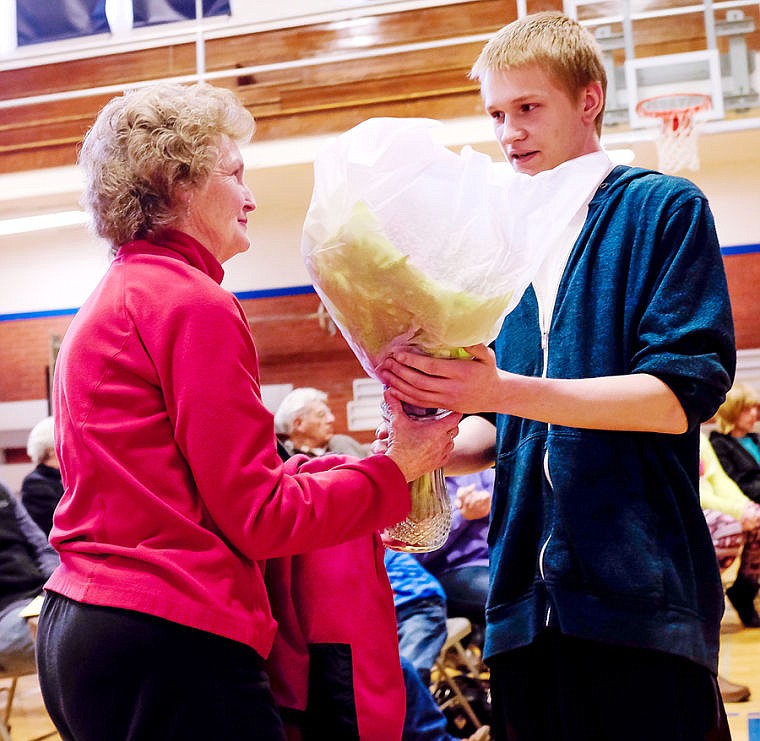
[(734, 522)]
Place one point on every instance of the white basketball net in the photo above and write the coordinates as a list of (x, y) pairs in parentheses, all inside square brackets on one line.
[(677, 138), (677, 143)]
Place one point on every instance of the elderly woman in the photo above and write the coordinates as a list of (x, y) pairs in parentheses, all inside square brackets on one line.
[(735, 444), (157, 622), (734, 522), (41, 489)]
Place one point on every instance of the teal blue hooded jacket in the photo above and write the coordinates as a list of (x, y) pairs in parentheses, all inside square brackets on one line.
[(600, 534)]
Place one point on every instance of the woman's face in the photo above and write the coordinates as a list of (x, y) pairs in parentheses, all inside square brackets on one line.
[(745, 422), (217, 210)]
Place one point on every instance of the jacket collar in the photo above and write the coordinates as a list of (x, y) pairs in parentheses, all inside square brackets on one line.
[(180, 246), (619, 177)]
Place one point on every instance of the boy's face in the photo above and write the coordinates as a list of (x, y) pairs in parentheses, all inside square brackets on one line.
[(537, 123)]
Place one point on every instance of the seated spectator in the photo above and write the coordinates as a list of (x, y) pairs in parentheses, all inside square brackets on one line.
[(735, 444), (42, 489), (734, 522), (420, 604), (26, 563), (461, 564), (334, 665), (304, 424)]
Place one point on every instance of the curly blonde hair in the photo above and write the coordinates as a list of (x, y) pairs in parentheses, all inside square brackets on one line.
[(147, 146), (553, 41), (739, 397)]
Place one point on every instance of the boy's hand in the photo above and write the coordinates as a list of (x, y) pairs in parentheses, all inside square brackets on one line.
[(461, 385)]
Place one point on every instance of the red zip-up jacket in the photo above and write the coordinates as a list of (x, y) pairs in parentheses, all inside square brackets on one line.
[(174, 493), (335, 665)]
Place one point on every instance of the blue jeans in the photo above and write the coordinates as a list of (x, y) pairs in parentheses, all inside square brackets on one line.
[(424, 720), (466, 592), (421, 633)]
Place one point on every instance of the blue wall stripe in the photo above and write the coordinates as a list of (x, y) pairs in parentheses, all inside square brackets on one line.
[(740, 249), (271, 292), (37, 314), (241, 295)]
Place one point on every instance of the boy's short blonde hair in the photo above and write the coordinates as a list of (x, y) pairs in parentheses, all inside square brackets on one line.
[(556, 43)]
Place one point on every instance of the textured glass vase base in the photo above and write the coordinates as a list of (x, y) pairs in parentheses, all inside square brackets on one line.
[(428, 525), (417, 537)]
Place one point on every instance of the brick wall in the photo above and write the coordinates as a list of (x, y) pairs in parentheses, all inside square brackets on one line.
[(294, 348), (25, 356), (743, 274)]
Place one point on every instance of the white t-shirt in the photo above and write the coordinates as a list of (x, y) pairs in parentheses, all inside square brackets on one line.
[(594, 168)]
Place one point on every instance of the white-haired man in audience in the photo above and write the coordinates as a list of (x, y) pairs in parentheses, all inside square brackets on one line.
[(305, 424), (42, 488)]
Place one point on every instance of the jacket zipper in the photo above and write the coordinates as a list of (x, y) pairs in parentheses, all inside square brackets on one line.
[(544, 321)]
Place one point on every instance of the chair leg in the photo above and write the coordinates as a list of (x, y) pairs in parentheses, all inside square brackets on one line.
[(466, 659), (5, 731), (9, 703), (460, 698)]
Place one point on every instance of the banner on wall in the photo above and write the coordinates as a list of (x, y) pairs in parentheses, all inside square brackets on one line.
[(41, 20), (150, 12), (38, 21)]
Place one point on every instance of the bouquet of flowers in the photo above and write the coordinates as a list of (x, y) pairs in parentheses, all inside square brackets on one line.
[(411, 244)]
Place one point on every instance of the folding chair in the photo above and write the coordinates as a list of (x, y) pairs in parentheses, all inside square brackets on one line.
[(458, 628), (5, 733)]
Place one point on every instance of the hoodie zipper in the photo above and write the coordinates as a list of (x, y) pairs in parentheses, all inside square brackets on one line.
[(544, 322)]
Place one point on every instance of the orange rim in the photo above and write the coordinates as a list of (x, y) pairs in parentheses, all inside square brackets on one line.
[(673, 105)]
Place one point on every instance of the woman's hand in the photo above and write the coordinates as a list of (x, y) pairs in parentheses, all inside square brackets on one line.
[(417, 446)]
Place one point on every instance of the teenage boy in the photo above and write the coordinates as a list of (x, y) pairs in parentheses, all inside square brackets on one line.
[(605, 598)]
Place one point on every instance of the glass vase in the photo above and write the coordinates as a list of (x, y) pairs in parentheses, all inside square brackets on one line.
[(427, 526)]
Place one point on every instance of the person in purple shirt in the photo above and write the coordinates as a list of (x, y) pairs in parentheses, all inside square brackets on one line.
[(461, 564)]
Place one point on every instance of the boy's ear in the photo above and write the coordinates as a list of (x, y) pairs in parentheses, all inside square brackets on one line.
[(593, 100)]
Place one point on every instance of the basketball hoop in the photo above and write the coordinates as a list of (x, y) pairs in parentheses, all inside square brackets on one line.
[(677, 138)]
